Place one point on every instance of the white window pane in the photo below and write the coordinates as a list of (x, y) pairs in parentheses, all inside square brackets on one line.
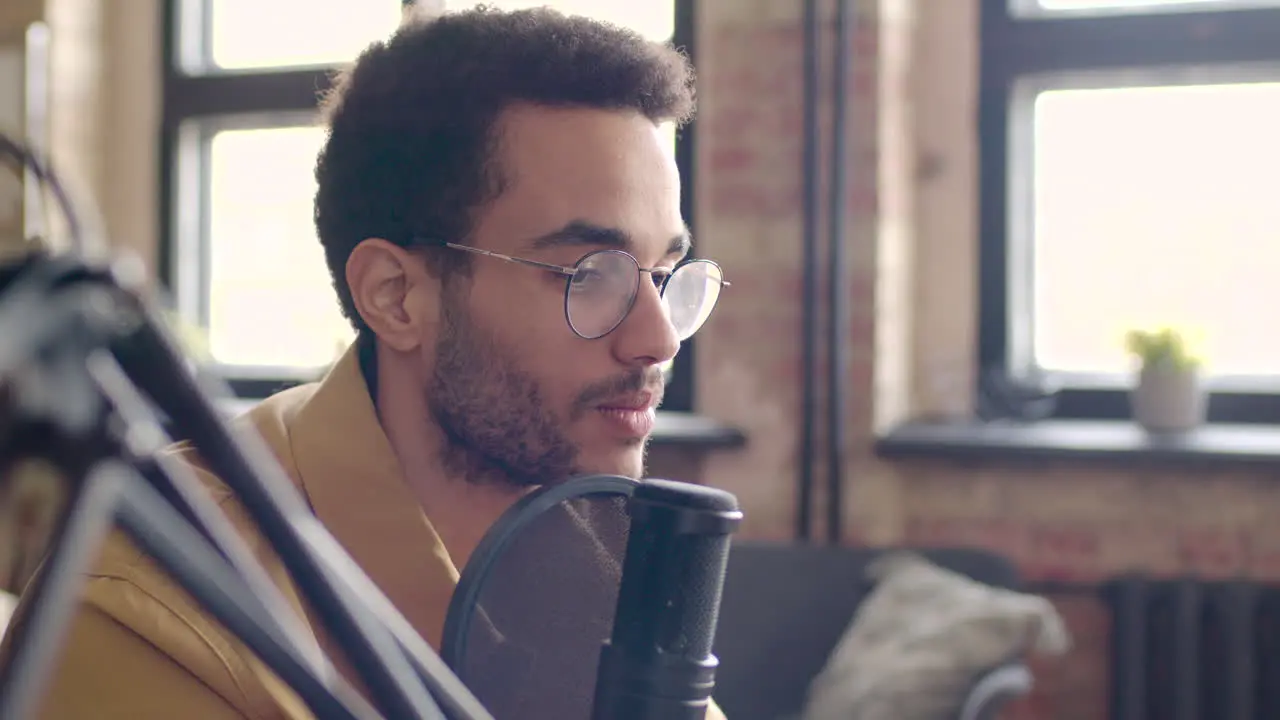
[(668, 130), (247, 34), (271, 300), (654, 19), (1125, 4), (1112, 7), (1157, 206)]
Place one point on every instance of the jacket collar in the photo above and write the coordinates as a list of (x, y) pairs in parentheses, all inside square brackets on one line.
[(355, 484)]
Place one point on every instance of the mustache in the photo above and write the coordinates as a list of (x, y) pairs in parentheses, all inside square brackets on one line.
[(649, 379)]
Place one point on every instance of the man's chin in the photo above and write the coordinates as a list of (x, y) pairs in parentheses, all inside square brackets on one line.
[(627, 463)]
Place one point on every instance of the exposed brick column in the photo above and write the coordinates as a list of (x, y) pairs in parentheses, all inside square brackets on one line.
[(16, 16), (103, 109), (749, 205)]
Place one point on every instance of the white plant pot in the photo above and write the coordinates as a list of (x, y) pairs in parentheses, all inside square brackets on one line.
[(1168, 399)]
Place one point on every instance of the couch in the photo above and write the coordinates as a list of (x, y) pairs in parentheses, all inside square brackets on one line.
[(785, 606)]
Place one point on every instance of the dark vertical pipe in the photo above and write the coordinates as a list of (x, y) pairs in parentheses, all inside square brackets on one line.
[(165, 253), (680, 390), (1127, 600), (1238, 607), (1188, 599), (809, 309), (837, 287)]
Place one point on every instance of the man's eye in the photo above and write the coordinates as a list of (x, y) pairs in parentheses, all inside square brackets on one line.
[(585, 279)]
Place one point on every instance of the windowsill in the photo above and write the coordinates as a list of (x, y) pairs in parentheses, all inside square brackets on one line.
[(1082, 440), (674, 429), (680, 429)]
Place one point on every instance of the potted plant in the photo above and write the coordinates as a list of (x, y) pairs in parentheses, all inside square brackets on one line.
[(1169, 395)]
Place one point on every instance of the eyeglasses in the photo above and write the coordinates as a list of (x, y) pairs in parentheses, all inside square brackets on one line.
[(601, 289)]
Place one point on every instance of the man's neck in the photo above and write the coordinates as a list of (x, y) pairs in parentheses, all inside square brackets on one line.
[(461, 511)]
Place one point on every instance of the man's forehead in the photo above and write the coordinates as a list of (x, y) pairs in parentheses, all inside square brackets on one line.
[(586, 179), (531, 126), (582, 149), (585, 234)]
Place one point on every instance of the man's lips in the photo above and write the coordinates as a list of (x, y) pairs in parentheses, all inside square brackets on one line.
[(630, 416), (640, 402)]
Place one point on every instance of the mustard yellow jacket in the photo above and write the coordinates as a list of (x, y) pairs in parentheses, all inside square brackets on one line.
[(139, 647)]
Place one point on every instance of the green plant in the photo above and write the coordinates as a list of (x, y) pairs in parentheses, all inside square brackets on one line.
[(1165, 347)]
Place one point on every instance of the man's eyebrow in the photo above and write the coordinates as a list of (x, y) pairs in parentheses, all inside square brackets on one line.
[(580, 233), (681, 244)]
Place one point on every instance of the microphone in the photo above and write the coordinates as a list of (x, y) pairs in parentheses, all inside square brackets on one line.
[(658, 664)]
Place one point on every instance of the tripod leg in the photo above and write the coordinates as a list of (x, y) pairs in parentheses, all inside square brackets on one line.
[(151, 360), (455, 699), (160, 532), (179, 487), (55, 594)]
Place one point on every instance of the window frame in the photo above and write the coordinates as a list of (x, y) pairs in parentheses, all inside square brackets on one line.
[(1014, 48), (209, 98)]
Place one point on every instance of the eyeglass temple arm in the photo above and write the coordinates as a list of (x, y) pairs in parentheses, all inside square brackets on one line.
[(560, 269)]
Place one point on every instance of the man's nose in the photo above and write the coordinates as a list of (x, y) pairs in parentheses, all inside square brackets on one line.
[(646, 337)]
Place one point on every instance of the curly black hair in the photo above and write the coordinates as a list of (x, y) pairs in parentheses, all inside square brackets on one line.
[(411, 123)]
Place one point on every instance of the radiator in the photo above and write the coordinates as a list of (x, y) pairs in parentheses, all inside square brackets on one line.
[(1187, 649)]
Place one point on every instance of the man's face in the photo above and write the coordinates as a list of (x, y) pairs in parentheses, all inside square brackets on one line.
[(517, 393)]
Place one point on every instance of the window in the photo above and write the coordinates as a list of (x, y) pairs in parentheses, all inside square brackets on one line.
[(239, 145), (1103, 8), (1129, 170)]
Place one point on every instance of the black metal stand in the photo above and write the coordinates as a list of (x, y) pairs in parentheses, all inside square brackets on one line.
[(159, 531), (115, 494), (37, 639), (82, 356), (243, 463)]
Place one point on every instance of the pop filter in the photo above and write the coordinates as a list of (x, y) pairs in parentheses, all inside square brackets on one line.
[(538, 597)]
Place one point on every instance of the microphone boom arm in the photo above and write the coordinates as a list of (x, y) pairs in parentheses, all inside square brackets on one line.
[(55, 392), (113, 493), (63, 303), (151, 360)]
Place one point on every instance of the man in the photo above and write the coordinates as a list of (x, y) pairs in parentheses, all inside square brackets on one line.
[(501, 216)]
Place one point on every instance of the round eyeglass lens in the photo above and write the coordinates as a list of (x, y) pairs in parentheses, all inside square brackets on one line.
[(601, 293), (691, 294)]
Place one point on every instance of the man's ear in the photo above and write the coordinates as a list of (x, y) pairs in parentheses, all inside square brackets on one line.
[(393, 293)]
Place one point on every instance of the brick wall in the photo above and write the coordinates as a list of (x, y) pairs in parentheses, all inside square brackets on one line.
[(911, 218), (912, 238), (16, 16), (104, 112)]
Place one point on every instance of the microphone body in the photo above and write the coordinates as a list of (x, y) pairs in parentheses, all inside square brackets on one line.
[(658, 664)]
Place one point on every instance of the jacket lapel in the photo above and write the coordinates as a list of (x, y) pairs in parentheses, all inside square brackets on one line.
[(356, 487)]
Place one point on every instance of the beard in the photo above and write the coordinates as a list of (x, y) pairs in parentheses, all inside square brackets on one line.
[(495, 418)]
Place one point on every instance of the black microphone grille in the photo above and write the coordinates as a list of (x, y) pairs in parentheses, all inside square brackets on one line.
[(676, 560), (686, 495)]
